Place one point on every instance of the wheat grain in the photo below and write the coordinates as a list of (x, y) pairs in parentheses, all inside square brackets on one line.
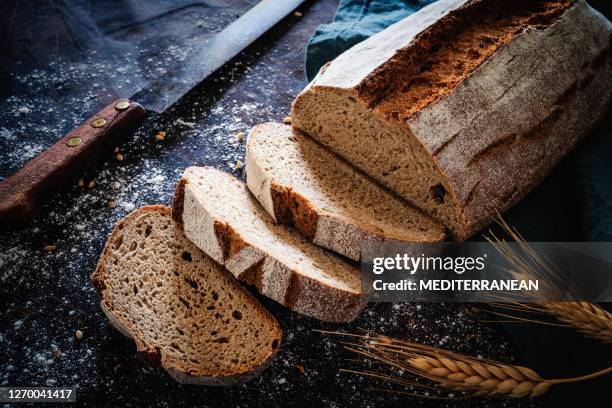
[(481, 379), (585, 317), (454, 371)]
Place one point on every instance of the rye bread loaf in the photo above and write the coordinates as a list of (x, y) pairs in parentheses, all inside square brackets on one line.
[(466, 105), (302, 184), (221, 217), (184, 311)]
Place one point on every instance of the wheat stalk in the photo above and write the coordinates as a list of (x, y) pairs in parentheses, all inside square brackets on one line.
[(453, 371), (585, 317)]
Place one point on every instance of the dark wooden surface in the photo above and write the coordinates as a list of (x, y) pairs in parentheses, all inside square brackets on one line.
[(46, 296)]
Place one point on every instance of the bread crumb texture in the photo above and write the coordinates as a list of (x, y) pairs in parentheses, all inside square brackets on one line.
[(306, 182), (220, 216), (229, 202), (183, 310)]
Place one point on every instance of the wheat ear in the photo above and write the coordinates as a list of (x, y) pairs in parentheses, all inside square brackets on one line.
[(454, 371), (585, 317)]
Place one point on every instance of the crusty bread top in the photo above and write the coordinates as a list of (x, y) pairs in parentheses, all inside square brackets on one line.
[(493, 93), (227, 201), (505, 126), (183, 310), (352, 67), (286, 160), (422, 58)]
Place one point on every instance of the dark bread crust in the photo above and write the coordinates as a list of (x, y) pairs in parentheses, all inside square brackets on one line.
[(429, 69), (290, 208), (153, 355), (229, 240), (496, 172), (178, 202), (325, 304), (253, 275)]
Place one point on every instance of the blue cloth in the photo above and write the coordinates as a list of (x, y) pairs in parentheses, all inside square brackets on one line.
[(573, 204), (354, 22)]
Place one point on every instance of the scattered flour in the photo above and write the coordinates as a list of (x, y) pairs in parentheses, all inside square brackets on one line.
[(24, 110)]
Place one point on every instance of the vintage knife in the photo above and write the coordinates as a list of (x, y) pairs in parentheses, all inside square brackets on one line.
[(21, 194)]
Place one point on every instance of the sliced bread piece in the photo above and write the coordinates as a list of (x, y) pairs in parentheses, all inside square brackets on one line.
[(302, 184), (184, 311), (222, 218)]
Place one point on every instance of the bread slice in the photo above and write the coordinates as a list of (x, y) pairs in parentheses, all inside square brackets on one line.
[(465, 106), (183, 310), (302, 184), (221, 217)]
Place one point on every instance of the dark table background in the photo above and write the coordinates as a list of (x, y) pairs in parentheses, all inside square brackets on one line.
[(53, 76)]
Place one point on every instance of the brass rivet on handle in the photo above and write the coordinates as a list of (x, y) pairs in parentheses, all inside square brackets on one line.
[(98, 122), (123, 105), (73, 141)]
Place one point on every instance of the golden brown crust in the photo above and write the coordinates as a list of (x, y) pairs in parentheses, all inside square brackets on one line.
[(432, 66), (229, 240), (178, 202), (253, 275), (290, 208)]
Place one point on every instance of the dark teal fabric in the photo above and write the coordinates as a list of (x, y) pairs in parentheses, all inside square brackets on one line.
[(573, 204), (354, 22), (592, 165)]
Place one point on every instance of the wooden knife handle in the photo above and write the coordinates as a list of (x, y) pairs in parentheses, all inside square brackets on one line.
[(22, 193)]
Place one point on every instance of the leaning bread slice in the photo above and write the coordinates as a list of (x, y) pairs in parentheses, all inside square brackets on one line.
[(222, 218), (183, 310), (302, 184)]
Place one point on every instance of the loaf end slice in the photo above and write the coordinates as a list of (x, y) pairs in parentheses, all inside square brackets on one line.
[(221, 217), (302, 184), (185, 312)]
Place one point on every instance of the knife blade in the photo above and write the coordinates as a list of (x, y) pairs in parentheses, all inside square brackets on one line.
[(164, 91), (22, 193)]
